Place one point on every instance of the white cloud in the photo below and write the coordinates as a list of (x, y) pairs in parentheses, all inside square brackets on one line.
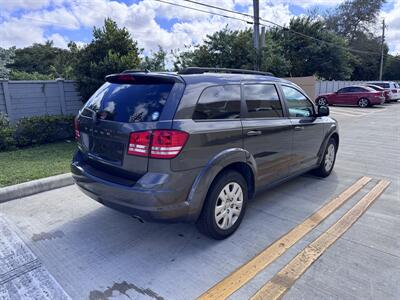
[(8, 5), (392, 19), (190, 27), (58, 40), (19, 33)]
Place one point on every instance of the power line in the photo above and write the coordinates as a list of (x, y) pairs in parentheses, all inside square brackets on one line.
[(285, 28), (204, 11)]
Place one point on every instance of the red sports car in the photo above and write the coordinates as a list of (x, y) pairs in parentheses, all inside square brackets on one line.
[(362, 96)]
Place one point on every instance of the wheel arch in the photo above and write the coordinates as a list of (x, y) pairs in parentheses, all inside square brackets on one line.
[(237, 159), (332, 132)]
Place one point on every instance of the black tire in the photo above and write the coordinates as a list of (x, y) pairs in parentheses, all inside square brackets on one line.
[(207, 223), (362, 101), (322, 170), (322, 101)]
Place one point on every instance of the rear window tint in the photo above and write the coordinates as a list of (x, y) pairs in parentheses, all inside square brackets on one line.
[(218, 102), (129, 103), (262, 101)]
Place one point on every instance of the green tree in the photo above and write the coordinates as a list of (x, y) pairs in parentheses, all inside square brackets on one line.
[(112, 50), (308, 56), (231, 49), (392, 68), (22, 75), (42, 60), (355, 20), (156, 62), (6, 57), (353, 17)]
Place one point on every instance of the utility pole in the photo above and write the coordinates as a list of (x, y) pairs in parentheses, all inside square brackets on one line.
[(256, 32), (383, 42)]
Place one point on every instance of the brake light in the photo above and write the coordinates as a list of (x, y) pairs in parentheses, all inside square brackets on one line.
[(157, 143), (139, 143), (394, 91), (76, 127), (167, 143)]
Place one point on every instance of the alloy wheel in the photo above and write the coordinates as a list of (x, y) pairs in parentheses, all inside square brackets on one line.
[(329, 157), (228, 206)]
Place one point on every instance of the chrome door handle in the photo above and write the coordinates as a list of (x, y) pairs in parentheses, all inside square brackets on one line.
[(298, 128), (254, 132)]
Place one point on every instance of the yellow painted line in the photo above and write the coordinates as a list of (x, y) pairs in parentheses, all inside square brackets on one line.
[(285, 278), (246, 272)]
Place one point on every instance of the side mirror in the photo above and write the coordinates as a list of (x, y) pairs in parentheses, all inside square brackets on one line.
[(323, 111)]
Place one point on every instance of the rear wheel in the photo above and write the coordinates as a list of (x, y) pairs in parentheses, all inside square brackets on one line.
[(322, 102), (328, 161), (224, 206), (363, 102)]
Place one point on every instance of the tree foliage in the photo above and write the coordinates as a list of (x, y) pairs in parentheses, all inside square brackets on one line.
[(22, 75), (354, 17), (232, 49), (42, 61), (156, 62), (355, 20), (309, 56), (6, 57), (112, 50), (392, 68)]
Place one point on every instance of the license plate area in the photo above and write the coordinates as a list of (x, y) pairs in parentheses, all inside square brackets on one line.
[(108, 150)]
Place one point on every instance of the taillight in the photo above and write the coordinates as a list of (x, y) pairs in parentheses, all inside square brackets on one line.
[(139, 143), (167, 143), (76, 127), (394, 91), (157, 143)]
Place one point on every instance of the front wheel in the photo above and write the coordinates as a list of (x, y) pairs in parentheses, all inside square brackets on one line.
[(322, 102), (224, 206), (363, 102), (328, 161)]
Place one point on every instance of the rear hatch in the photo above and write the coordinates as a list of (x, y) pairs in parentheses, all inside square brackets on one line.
[(126, 103)]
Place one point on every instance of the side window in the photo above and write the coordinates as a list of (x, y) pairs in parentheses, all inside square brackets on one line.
[(262, 101), (344, 90), (218, 102), (360, 90), (298, 104)]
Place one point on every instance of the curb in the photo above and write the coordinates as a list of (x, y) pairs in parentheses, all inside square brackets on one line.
[(35, 186)]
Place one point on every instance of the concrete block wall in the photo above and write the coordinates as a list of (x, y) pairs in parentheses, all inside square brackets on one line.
[(26, 98)]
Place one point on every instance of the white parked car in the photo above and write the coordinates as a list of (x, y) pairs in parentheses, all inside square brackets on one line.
[(392, 87)]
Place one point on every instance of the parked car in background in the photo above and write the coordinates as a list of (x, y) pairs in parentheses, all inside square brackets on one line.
[(386, 92), (362, 96), (196, 145), (392, 87)]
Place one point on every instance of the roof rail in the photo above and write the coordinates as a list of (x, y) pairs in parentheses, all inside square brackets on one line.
[(201, 70), (136, 71)]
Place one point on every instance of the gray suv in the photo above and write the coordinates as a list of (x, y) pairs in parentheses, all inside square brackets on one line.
[(196, 145)]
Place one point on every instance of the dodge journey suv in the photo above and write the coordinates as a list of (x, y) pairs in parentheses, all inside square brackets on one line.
[(196, 145)]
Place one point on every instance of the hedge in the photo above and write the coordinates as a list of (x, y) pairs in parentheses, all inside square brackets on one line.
[(34, 130)]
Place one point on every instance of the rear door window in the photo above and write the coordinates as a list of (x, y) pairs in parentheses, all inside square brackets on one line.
[(218, 102), (262, 101), (129, 103)]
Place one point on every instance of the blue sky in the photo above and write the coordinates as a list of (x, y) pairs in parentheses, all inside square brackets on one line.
[(23, 22)]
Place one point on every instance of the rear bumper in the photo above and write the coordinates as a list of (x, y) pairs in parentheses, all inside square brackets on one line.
[(151, 198), (378, 100)]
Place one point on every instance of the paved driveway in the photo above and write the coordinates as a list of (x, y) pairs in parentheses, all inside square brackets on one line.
[(96, 253)]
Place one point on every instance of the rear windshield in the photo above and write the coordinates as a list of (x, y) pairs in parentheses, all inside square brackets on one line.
[(382, 84), (129, 103)]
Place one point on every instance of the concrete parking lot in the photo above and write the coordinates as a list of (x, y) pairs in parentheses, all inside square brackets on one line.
[(83, 250)]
